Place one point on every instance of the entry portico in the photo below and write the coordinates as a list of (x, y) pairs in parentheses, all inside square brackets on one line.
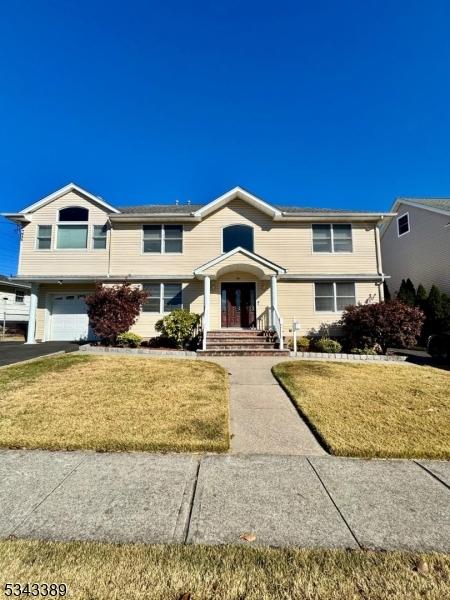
[(240, 291)]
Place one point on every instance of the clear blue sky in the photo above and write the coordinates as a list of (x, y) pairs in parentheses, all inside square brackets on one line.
[(336, 104)]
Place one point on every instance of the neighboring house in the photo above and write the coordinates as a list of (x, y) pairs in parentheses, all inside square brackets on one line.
[(14, 303), (238, 261), (416, 244)]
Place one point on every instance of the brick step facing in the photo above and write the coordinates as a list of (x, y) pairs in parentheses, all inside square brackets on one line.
[(241, 352), (250, 348), (237, 333)]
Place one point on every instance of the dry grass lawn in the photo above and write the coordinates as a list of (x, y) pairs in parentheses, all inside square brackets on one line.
[(97, 571), (371, 410), (86, 402)]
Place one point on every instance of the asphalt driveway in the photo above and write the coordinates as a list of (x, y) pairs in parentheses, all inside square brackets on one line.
[(14, 352)]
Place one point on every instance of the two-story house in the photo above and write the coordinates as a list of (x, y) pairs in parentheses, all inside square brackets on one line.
[(14, 305), (238, 261), (416, 245)]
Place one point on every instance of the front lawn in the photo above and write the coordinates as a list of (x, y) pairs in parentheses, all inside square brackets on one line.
[(112, 572), (86, 402), (371, 410)]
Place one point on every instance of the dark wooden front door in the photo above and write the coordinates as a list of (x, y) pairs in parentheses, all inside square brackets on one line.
[(238, 302)]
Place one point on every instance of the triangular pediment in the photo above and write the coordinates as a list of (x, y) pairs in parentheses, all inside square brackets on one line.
[(240, 194), (239, 259)]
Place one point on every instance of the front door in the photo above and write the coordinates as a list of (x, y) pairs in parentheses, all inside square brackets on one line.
[(238, 302)]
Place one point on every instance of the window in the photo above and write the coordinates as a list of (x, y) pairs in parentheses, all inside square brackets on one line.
[(99, 237), (163, 238), (19, 296), (74, 213), (332, 237), (403, 224), (163, 297), (72, 237), (237, 235), (44, 237), (334, 296)]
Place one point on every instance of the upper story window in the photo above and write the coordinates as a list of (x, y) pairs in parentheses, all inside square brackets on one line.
[(75, 235), (99, 237), (237, 235), (336, 237), (44, 237), (162, 239), (403, 224), (73, 213), (19, 296), (333, 296)]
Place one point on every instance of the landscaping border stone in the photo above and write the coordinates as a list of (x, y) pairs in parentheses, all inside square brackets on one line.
[(344, 356), (90, 349)]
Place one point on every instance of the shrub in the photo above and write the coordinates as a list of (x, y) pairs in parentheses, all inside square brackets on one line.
[(327, 345), (388, 324), (179, 326), (407, 292), (113, 310), (365, 350), (130, 339), (302, 344)]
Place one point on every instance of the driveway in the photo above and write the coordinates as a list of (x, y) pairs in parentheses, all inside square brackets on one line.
[(14, 352)]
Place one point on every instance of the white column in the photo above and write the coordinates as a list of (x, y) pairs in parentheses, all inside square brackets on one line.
[(206, 299), (31, 334), (273, 298)]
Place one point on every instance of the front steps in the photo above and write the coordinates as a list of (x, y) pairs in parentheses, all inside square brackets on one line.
[(242, 342)]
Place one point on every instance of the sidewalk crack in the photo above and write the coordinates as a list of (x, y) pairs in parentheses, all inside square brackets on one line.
[(430, 472)]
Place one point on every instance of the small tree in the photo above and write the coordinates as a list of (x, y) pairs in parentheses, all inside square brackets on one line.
[(407, 292), (387, 293), (179, 326), (421, 296), (389, 324), (113, 310)]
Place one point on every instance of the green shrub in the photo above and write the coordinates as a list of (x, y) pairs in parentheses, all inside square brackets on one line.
[(129, 339), (179, 326), (302, 344), (327, 345), (365, 350)]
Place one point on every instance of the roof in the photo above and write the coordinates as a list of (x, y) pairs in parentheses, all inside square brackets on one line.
[(10, 282), (187, 209), (439, 205)]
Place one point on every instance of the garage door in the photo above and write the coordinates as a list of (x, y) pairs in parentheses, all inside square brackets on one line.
[(69, 318)]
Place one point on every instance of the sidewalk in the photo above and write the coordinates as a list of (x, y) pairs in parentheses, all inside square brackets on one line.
[(284, 500)]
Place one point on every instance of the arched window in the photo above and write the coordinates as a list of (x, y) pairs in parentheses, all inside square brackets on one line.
[(74, 213), (237, 235)]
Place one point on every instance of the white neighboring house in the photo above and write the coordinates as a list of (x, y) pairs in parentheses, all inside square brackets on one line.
[(14, 303), (416, 244)]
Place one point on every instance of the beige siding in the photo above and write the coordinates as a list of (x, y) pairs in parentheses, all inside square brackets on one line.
[(423, 254), (286, 244), (62, 262), (296, 301)]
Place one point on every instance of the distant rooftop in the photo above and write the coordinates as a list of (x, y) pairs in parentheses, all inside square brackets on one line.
[(440, 203)]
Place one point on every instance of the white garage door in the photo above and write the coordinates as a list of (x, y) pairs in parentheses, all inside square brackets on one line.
[(69, 318)]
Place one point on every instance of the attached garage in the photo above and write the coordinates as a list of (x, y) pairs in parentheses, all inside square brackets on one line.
[(68, 318)]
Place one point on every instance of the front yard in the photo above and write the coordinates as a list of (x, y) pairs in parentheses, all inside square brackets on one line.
[(86, 402), (112, 572), (370, 410)]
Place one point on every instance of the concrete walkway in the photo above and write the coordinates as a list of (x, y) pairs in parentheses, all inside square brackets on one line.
[(284, 500), (263, 419)]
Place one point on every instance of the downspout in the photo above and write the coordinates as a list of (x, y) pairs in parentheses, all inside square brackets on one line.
[(108, 273), (379, 267)]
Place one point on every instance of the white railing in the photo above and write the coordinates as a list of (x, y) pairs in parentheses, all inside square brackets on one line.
[(277, 323)]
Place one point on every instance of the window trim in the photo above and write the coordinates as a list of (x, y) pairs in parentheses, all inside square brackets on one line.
[(93, 236), (20, 292), (242, 225), (332, 251), (335, 310), (162, 297), (163, 239), (36, 240), (406, 214)]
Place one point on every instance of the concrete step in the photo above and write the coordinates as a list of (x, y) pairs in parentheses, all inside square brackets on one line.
[(237, 333), (271, 352)]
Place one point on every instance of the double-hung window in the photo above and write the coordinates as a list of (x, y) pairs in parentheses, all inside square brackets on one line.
[(19, 296), (44, 237), (163, 297), (162, 239), (99, 237), (334, 296), (336, 237)]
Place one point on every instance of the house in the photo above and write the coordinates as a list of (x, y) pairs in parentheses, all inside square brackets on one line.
[(14, 305), (416, 244), (239, 261)]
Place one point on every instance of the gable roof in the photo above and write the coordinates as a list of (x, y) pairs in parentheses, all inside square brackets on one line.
[(239, 250), (237, 192), (439, 205)]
